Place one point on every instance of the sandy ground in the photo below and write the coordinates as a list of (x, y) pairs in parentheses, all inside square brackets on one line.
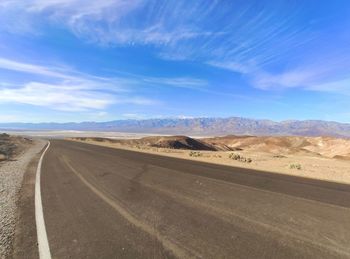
[(314, 167)]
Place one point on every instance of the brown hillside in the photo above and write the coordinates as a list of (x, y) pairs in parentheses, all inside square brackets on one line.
[(324, 146)]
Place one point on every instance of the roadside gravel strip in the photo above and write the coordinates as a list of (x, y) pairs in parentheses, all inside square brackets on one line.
[(11, 176)]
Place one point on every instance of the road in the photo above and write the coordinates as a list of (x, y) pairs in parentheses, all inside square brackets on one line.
[(100, 202)]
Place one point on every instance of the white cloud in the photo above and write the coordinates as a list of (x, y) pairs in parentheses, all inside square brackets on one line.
[(62, 88), (136, 100), (67, 97), (32, 69), (315, 77), (81, 8), (308, 79), (101, 114), (233, 66), (289, 79), (66, 74), (250, 42), (107, 21), (337, 86), (180, 29), (77, 79), (180, 82), (58, 97)]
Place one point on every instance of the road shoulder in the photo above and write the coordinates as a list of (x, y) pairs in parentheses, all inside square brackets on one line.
[(24, 242)]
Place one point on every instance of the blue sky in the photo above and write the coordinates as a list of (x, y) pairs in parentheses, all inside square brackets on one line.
[(78, 60)]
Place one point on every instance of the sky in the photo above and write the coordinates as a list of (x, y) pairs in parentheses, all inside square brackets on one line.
[(81, 60)]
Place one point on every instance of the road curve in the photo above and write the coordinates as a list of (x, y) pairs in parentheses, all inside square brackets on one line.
[(107, 203)]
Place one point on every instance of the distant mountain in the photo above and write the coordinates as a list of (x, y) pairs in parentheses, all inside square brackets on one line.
[(199, 126)]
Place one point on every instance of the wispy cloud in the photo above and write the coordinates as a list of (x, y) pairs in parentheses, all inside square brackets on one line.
[(57, 97), (65, 89), (12, 65), (317, 76), (311, 79), (233, 66), (274, 45), (61, 73), (112, 21), (180, 82), (289, 79), (341, 86), (67, 97)]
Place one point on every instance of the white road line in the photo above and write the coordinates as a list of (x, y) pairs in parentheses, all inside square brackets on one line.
[(44, 249)]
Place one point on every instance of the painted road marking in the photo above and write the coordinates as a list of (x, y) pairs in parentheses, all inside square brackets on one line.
[(43, 243)]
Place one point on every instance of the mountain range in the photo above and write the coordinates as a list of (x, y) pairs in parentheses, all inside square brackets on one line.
[(200, 127)]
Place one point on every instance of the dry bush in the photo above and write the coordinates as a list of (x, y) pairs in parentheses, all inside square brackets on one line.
[(240, 158), (195, 154), (295, 166)]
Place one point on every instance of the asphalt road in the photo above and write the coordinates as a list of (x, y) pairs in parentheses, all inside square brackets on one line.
[(107, 203)]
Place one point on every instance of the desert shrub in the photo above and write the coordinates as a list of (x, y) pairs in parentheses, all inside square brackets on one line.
[(2, 157), (279, 156), (195, 154), (235, 156), (4, 136), (240, 158), (295, 166), (7, 149)]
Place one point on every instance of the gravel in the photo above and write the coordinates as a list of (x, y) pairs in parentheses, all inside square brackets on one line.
[(11, 176)]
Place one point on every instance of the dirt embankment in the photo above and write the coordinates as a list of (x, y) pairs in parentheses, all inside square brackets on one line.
[(11, 146), (15, 155)]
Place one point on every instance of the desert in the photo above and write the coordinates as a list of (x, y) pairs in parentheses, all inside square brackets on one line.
[(323, 158), (174, 129), (147, 183)]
